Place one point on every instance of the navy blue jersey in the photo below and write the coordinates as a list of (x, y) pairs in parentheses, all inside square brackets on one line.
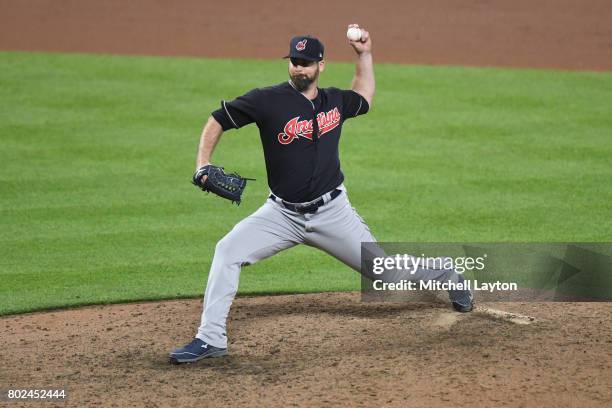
[(301, 153)]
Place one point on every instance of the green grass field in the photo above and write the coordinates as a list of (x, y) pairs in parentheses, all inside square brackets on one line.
[(97, 154)]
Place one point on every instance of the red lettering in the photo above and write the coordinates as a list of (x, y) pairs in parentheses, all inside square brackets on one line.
[(285, 139), (295, 128)]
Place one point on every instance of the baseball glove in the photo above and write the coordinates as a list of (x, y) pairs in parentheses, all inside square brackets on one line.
[(229, 186)]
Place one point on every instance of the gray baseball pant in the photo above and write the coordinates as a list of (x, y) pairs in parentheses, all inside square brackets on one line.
[(335, 228)]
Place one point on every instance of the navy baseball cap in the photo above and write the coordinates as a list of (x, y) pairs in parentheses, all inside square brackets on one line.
[(306, 47)]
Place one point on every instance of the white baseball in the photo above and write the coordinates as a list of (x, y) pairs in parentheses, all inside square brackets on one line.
[(354, 34)]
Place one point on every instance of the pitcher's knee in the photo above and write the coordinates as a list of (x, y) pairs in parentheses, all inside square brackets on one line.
[(228, 250), (223, 247)]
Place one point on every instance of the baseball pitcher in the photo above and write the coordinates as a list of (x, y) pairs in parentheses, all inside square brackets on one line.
[(300, 126)]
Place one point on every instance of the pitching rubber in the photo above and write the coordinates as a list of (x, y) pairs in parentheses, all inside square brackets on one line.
[(507, 316)]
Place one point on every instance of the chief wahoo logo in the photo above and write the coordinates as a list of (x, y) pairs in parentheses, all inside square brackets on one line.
[(301, 45)]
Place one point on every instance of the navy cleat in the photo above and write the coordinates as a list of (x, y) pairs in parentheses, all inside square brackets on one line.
[(463, 308), (462, 300), (196, 350)]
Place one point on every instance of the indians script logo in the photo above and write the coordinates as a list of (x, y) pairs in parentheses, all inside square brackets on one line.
[(303, 128), (301, 45)]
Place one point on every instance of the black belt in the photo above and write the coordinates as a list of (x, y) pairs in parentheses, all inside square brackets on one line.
[(310, 208)]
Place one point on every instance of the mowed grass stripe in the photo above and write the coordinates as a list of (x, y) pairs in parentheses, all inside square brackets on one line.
[(97, 154)]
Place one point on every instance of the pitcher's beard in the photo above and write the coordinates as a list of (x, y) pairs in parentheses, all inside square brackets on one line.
[(302, 82)]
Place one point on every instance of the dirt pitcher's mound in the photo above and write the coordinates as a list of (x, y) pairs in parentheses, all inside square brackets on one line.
[(320, 349)]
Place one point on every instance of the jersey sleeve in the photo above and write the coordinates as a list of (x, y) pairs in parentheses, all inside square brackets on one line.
[(239, 112), (353, 104)]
